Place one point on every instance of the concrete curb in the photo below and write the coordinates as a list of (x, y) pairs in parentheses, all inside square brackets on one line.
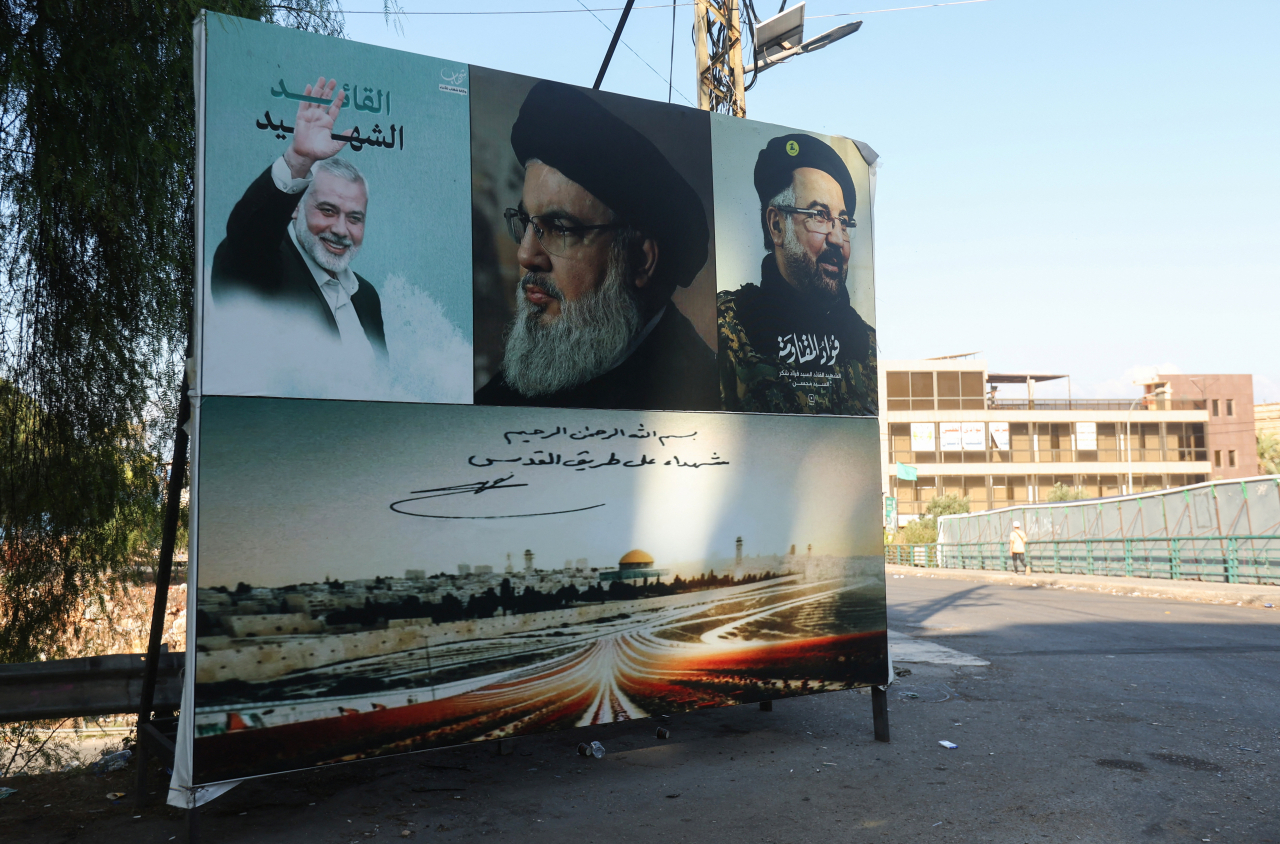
[(1240, 594)]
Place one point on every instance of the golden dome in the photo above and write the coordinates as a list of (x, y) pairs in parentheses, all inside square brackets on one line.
[(636, 557)]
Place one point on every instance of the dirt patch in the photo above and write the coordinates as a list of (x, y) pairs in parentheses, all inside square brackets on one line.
[(1188, 762), (1121, 764)]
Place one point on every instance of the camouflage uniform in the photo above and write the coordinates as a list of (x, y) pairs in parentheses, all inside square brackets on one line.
[(780, 352)]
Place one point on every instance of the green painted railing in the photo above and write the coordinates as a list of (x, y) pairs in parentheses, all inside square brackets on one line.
[(1220, 559)]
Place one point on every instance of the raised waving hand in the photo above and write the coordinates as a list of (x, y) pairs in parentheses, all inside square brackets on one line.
[(313, 131)]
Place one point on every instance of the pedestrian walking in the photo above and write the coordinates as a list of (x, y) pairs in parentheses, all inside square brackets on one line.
[(1018, 548)]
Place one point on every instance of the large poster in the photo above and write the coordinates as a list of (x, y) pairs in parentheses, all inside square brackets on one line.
[(465, 464), (334, 269), (530, 571)]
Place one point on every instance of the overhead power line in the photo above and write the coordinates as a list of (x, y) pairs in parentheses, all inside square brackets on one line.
[(522, 11), (899, 9), (638, 8), (637, 55)]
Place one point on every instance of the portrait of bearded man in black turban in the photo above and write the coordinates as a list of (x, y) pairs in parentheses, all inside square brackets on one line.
[(607, 230)]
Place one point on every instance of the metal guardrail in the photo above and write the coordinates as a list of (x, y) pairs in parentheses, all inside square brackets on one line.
[(1213, 559), (95, 685)]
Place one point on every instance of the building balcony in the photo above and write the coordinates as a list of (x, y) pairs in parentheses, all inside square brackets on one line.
[(1123, 405)]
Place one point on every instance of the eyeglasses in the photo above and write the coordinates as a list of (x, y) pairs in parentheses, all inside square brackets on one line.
[(555, 237), (819, 221)]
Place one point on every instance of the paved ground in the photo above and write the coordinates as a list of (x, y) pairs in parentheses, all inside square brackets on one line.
[(1100, 718), (1238, 594)]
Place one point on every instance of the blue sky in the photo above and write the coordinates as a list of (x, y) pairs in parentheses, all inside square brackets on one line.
[(1083, 187)]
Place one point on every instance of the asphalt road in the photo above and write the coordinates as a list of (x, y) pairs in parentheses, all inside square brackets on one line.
[(1099, 718)]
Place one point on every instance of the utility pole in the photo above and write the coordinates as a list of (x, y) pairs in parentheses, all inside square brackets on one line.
[(717, 35)]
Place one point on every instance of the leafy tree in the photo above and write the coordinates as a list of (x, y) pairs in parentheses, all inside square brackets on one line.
[(1269, 453), (1062, 492), (97, 227), (950, 504)]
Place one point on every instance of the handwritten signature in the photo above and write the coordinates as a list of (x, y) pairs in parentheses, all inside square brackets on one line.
[(475, 488)]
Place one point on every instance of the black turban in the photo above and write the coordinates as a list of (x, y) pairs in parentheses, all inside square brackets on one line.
[(781, 156), (564, 128)]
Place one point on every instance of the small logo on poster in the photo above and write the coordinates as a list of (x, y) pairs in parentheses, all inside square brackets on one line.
[(793, 148), (453, 81)]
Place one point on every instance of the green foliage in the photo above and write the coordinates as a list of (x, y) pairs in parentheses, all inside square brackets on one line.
[(947, 505), (922, 531), (1269, 453), (1062, 492), (97, 227)]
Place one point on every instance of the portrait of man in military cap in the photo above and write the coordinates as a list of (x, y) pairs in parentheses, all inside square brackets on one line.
[(607, 229), (793, 342)]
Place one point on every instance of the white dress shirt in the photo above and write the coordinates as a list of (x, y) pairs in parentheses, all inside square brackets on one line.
[(337, 291)]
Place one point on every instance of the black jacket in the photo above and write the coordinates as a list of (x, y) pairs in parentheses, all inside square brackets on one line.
[(673, 369), (258, 256), (777, 309)]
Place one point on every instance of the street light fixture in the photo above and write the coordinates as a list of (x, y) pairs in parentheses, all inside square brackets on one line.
[(782, 36)]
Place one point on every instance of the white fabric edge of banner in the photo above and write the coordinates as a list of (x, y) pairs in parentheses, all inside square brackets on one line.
[(182, 793)]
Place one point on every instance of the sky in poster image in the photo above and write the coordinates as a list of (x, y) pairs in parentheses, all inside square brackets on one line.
[(294, 491)]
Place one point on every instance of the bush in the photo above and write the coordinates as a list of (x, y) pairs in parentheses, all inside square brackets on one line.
[(922, 531)]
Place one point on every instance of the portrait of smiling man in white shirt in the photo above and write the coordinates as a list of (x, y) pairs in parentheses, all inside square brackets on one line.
[(290, 243)]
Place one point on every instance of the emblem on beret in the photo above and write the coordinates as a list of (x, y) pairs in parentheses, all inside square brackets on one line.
[(793, 148)]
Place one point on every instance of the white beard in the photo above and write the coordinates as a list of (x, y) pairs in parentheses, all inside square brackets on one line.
[(333, 263), (585, 341), (803, 267)]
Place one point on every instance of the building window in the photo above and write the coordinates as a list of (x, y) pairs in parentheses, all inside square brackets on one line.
[(1231, 407), (1108, 444), (1054, 440), (916, 391), (1215, 407), (909, 390), (948, 391), (1184, 441), (898, 386), (1020, 442), (971, 397), (975, 489), (1231, 455), (1217, 458), (1195, 432), (922, 391)]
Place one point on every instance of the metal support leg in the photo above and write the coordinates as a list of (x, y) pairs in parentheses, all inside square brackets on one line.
[(142, 754), (766, 706), (163, 575), (880, 712), (193, 825)]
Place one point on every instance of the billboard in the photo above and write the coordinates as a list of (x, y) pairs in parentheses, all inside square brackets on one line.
[(465, 457)]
